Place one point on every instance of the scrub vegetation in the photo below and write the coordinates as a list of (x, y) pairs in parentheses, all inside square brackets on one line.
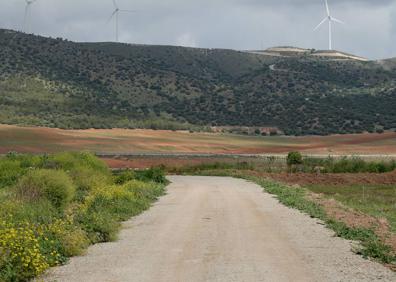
[(54, 206)]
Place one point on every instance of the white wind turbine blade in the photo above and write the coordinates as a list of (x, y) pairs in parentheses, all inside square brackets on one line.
[(25, 17), (115, 4), (322, 22), (327, 8), (128, 11), (337, 20), (112, 16)]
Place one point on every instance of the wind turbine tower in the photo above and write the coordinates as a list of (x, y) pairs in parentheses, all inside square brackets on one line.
[(26, 19), (330, 20), (115, 15)]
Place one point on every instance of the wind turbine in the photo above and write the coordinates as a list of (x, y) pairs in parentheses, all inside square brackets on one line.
[(330, 19), (115, 14), (26, 23)]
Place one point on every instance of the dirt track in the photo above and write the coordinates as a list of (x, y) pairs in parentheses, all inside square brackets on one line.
[(221, 229)]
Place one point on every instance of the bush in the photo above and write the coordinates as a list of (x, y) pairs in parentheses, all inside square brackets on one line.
[(154, 174), (72, 240), (52, 185), (20, 256), (294, 158), (115, 200), (10, 171), (100, 226), (41, 212), (146, 192), (73, 161), (124, 176), (87, 179)]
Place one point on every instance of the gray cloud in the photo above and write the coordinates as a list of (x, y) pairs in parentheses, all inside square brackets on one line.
[(239, 24)]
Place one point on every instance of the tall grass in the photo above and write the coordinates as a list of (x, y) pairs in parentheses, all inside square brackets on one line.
[(211, 166), (55, 206), (346, 165), (278, 165)]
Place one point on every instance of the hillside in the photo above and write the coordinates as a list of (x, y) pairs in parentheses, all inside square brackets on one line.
[(58, 83)]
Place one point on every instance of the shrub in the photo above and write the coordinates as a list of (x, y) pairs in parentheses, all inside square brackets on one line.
[(74, 242), (124, 176), (294, 158), (155, 174), (100, 226), (41, 212), (72, 161), (116, 200), (87, 179), (145, 192), (72, 239), (20, 256), (10, 171), (52, 185)]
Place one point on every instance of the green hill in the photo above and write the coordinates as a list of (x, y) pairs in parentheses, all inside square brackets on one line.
[(58, 83)]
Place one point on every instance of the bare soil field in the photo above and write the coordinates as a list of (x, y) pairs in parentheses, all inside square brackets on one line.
[(121, 141)]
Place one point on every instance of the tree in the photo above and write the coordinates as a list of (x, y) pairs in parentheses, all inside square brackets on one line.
[(294, 158)]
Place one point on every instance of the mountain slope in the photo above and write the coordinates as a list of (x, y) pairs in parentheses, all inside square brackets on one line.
[(58, 83)]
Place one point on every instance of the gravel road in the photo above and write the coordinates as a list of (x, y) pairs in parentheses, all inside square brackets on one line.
[(221, 229)]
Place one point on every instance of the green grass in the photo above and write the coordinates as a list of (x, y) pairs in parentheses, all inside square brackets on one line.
[(55, 206), (347, 165), (375, 200)]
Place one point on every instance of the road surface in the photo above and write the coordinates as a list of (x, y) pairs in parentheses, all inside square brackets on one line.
[(221, 229)]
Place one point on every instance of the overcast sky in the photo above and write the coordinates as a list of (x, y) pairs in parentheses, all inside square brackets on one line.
[(370, 28)]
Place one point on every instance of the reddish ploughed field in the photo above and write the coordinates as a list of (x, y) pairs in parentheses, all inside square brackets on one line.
[(123, 141)]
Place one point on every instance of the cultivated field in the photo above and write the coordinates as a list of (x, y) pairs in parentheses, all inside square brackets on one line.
[(121, 141)]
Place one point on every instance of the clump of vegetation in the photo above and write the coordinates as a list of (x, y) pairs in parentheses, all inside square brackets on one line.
[(52, 185), (55, 206), (347, 165), (211, 166), (157, 174), (293, 160), (296, 162)]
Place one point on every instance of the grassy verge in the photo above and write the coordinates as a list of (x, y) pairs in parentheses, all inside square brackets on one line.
[(371, 245), (375, 200), (346, 165), (54, 207)]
